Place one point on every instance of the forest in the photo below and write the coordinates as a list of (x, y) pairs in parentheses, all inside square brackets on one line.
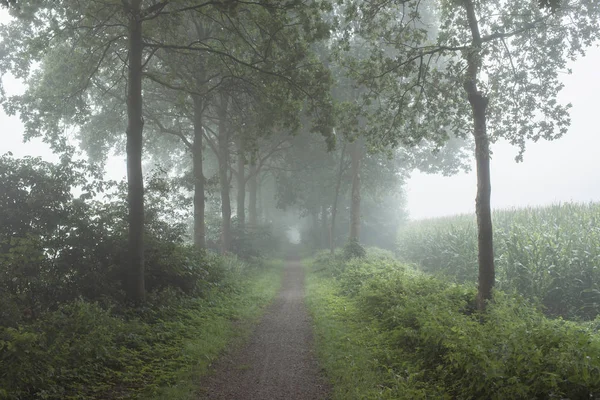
[(259, 245)]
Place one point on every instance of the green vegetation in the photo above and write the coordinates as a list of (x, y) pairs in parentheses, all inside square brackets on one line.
[(86, 350), (67, 328), (548, 254), (386, 331), (310, 115)]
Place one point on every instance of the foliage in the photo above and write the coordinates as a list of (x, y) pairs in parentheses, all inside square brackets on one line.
[(84, 350), (353, 249), (66, 330), (540, 253), (413, 68), (425, 339), (56, 247), (254, 241)]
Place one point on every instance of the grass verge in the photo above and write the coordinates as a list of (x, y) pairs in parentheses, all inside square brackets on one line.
[(387, 331), (88, 350), (225, 324), (347, 347)]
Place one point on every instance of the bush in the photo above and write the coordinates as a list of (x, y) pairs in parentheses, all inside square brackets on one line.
[(378, 253), (433, 341), (353, 249), (253, 241), (56, 248), (62, 353), (66, 330)]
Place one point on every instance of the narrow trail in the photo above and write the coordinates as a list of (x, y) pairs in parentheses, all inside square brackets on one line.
[(278, 362)]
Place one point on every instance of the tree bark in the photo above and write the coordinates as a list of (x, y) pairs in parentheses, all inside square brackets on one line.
[(223, 178), (336, 195), (241, 184), (135, 179), (197, 145), (253, 193), (199, 202), (260, 209), (324, 227), (314, 213), (479, 105), (355, 203)]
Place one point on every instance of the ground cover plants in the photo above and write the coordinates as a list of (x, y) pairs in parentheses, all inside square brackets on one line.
[(386, 330), (85, 350)]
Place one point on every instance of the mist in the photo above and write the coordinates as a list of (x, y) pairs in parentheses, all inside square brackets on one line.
[(551, 172), (299, 200)]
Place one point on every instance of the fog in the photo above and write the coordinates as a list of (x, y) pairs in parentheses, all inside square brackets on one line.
[(299, 199), (551, 172)]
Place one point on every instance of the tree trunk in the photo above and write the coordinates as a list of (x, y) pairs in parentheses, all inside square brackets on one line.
[(336, 195), (355, 203), (479, 104), (197, 145), (135, 179), (241, 184), (253, 193), (260, 205), (199, 203), (482, 204), (223, 178), (324, 227), (314, 213)]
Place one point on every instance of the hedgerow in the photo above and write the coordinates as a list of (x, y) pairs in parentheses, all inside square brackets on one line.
[(426, 339)]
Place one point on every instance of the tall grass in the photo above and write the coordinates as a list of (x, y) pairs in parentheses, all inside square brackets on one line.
[(549, 254)]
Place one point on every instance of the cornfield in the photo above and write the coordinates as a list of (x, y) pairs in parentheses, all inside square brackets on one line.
[(550, 255)]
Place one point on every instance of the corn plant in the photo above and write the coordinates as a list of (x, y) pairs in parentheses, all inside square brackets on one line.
[(548, 254)]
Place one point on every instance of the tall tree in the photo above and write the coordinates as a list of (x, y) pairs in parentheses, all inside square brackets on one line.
[(505, 57), (355, 156), (336, 196), (223, 143), (135, 127), (479, 103), (78, 44)]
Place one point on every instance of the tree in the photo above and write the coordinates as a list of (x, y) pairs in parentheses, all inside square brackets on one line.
[(505, 57), (336, 196), (84, 41), (192, 49), (355, 156), (135, 128)]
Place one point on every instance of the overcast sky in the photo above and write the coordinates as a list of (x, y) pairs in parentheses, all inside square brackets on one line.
[(564, 170), (567, 169)]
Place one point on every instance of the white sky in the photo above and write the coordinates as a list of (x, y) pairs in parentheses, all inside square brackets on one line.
[(567, 169), (559, 171)]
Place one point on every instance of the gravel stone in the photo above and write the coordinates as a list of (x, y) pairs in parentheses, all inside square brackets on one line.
[(279, 361)]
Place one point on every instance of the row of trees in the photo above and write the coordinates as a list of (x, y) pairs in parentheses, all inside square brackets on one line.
[(222, 86)]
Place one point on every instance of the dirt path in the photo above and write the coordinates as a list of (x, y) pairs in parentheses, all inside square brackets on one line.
[(278, 362)]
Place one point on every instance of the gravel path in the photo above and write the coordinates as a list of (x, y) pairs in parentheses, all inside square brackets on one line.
[(278, 362)]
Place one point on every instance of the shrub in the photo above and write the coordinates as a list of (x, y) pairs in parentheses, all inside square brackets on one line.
[(353, 249), (56, 248), (433, 341)]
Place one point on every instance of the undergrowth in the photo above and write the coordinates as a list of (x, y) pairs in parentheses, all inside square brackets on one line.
[(386, 331), (87, 350)]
